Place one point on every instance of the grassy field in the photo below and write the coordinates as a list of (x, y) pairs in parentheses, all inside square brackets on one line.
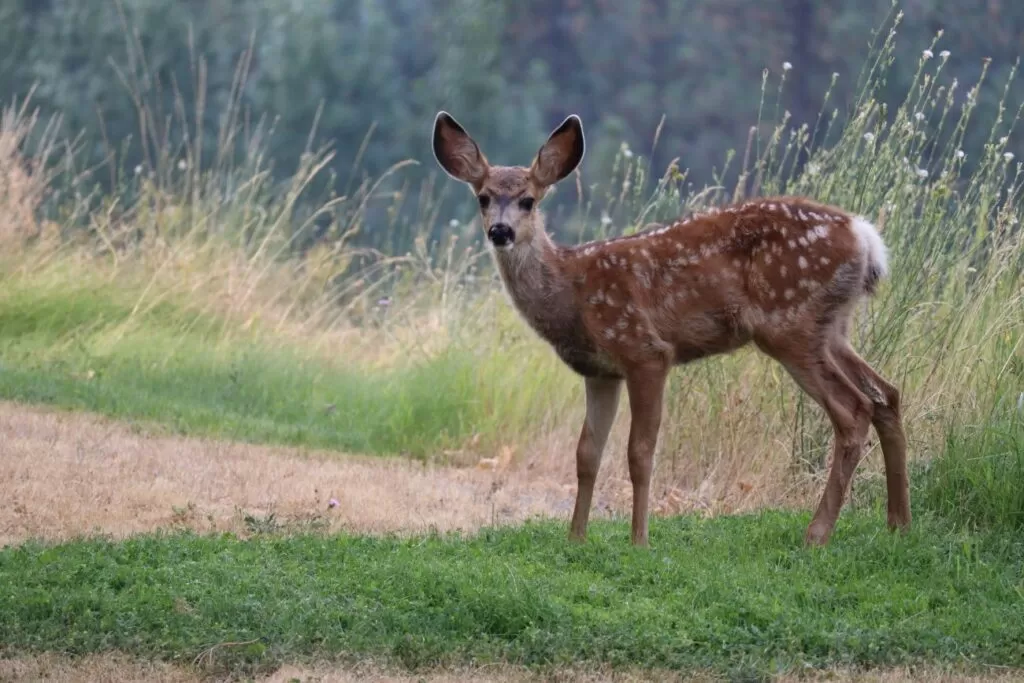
[(181, 302), (735, 595)]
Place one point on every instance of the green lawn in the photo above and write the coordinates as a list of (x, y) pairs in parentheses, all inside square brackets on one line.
[(84, 349), (737, 595)]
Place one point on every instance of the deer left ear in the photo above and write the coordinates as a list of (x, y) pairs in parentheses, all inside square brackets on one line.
[(561, 154)]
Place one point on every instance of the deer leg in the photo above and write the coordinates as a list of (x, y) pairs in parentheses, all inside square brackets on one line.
[(850, 412), (602, 402), (889, 427), (646, 388)]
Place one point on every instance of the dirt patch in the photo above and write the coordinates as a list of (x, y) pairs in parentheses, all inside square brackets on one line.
[(115, 668), (70, 474)]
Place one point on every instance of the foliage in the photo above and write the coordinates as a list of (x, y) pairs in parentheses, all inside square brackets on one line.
[(274, 266), (140, 76)]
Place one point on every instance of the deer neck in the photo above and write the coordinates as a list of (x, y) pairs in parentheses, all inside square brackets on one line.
[(535, 280)]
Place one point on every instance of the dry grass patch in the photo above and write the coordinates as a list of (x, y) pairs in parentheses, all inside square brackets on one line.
[(117, 668), (71, 474)]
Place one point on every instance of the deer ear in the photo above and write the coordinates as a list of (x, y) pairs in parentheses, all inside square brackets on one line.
[(456, 152), (561, 154)]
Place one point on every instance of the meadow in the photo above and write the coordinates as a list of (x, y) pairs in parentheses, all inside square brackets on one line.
[(179, 304)]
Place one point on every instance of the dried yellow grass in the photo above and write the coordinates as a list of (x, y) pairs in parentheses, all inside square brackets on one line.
[(71, 474), (118, 668)]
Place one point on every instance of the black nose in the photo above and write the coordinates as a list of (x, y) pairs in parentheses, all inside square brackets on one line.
[(501, 234)]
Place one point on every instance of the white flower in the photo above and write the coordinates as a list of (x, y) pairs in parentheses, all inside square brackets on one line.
[(870, 137), (1008, 156), (182, 165), (786, 66), (628, 153), (922, 173), (1003, 140), (138, 170), (927, 54), (944, 54), (605, 218), (919, 116), (960, 154), (453, 223)]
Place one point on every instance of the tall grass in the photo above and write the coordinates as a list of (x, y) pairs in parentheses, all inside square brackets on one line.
[(189, 244)]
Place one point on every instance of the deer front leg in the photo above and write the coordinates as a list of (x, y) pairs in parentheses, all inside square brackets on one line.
[(646, 388), (602, 402)]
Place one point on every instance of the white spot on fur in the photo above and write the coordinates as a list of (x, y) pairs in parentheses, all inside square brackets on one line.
[(802, 241), (736, 263), (802, 262), (609, 333), (792, 244), (821, 230), (782, 271), (825, 260), (789, 294), (767, 259)]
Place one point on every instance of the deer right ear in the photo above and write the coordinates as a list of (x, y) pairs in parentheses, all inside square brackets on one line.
[(456, 152)]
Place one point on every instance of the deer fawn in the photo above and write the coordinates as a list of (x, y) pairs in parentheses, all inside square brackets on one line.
[(784, 273)]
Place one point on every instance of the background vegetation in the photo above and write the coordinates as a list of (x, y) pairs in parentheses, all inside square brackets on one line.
[(146, 83), (177, 247)]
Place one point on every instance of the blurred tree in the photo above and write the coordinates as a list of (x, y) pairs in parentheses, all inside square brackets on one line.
[(508, 69)]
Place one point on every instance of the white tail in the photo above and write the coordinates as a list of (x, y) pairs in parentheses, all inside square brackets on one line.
[(784, 273), (874, 250)]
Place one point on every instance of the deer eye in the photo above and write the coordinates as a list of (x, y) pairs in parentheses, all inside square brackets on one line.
[(526, 203), (484, 200)]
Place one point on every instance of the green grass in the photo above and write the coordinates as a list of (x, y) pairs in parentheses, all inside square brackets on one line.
[(83, 349), (979, 479), (738, 595)]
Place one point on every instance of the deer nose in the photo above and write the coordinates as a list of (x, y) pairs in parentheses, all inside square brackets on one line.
[(501, 234)]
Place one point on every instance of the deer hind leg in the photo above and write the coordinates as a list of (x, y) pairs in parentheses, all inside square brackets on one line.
[(889, 427), (818, 373), (646, 387), (602, 402)]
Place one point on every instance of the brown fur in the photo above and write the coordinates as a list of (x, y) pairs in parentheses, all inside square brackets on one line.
[(781, 272)]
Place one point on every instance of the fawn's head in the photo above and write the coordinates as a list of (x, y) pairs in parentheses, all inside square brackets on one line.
[(508, 194)]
